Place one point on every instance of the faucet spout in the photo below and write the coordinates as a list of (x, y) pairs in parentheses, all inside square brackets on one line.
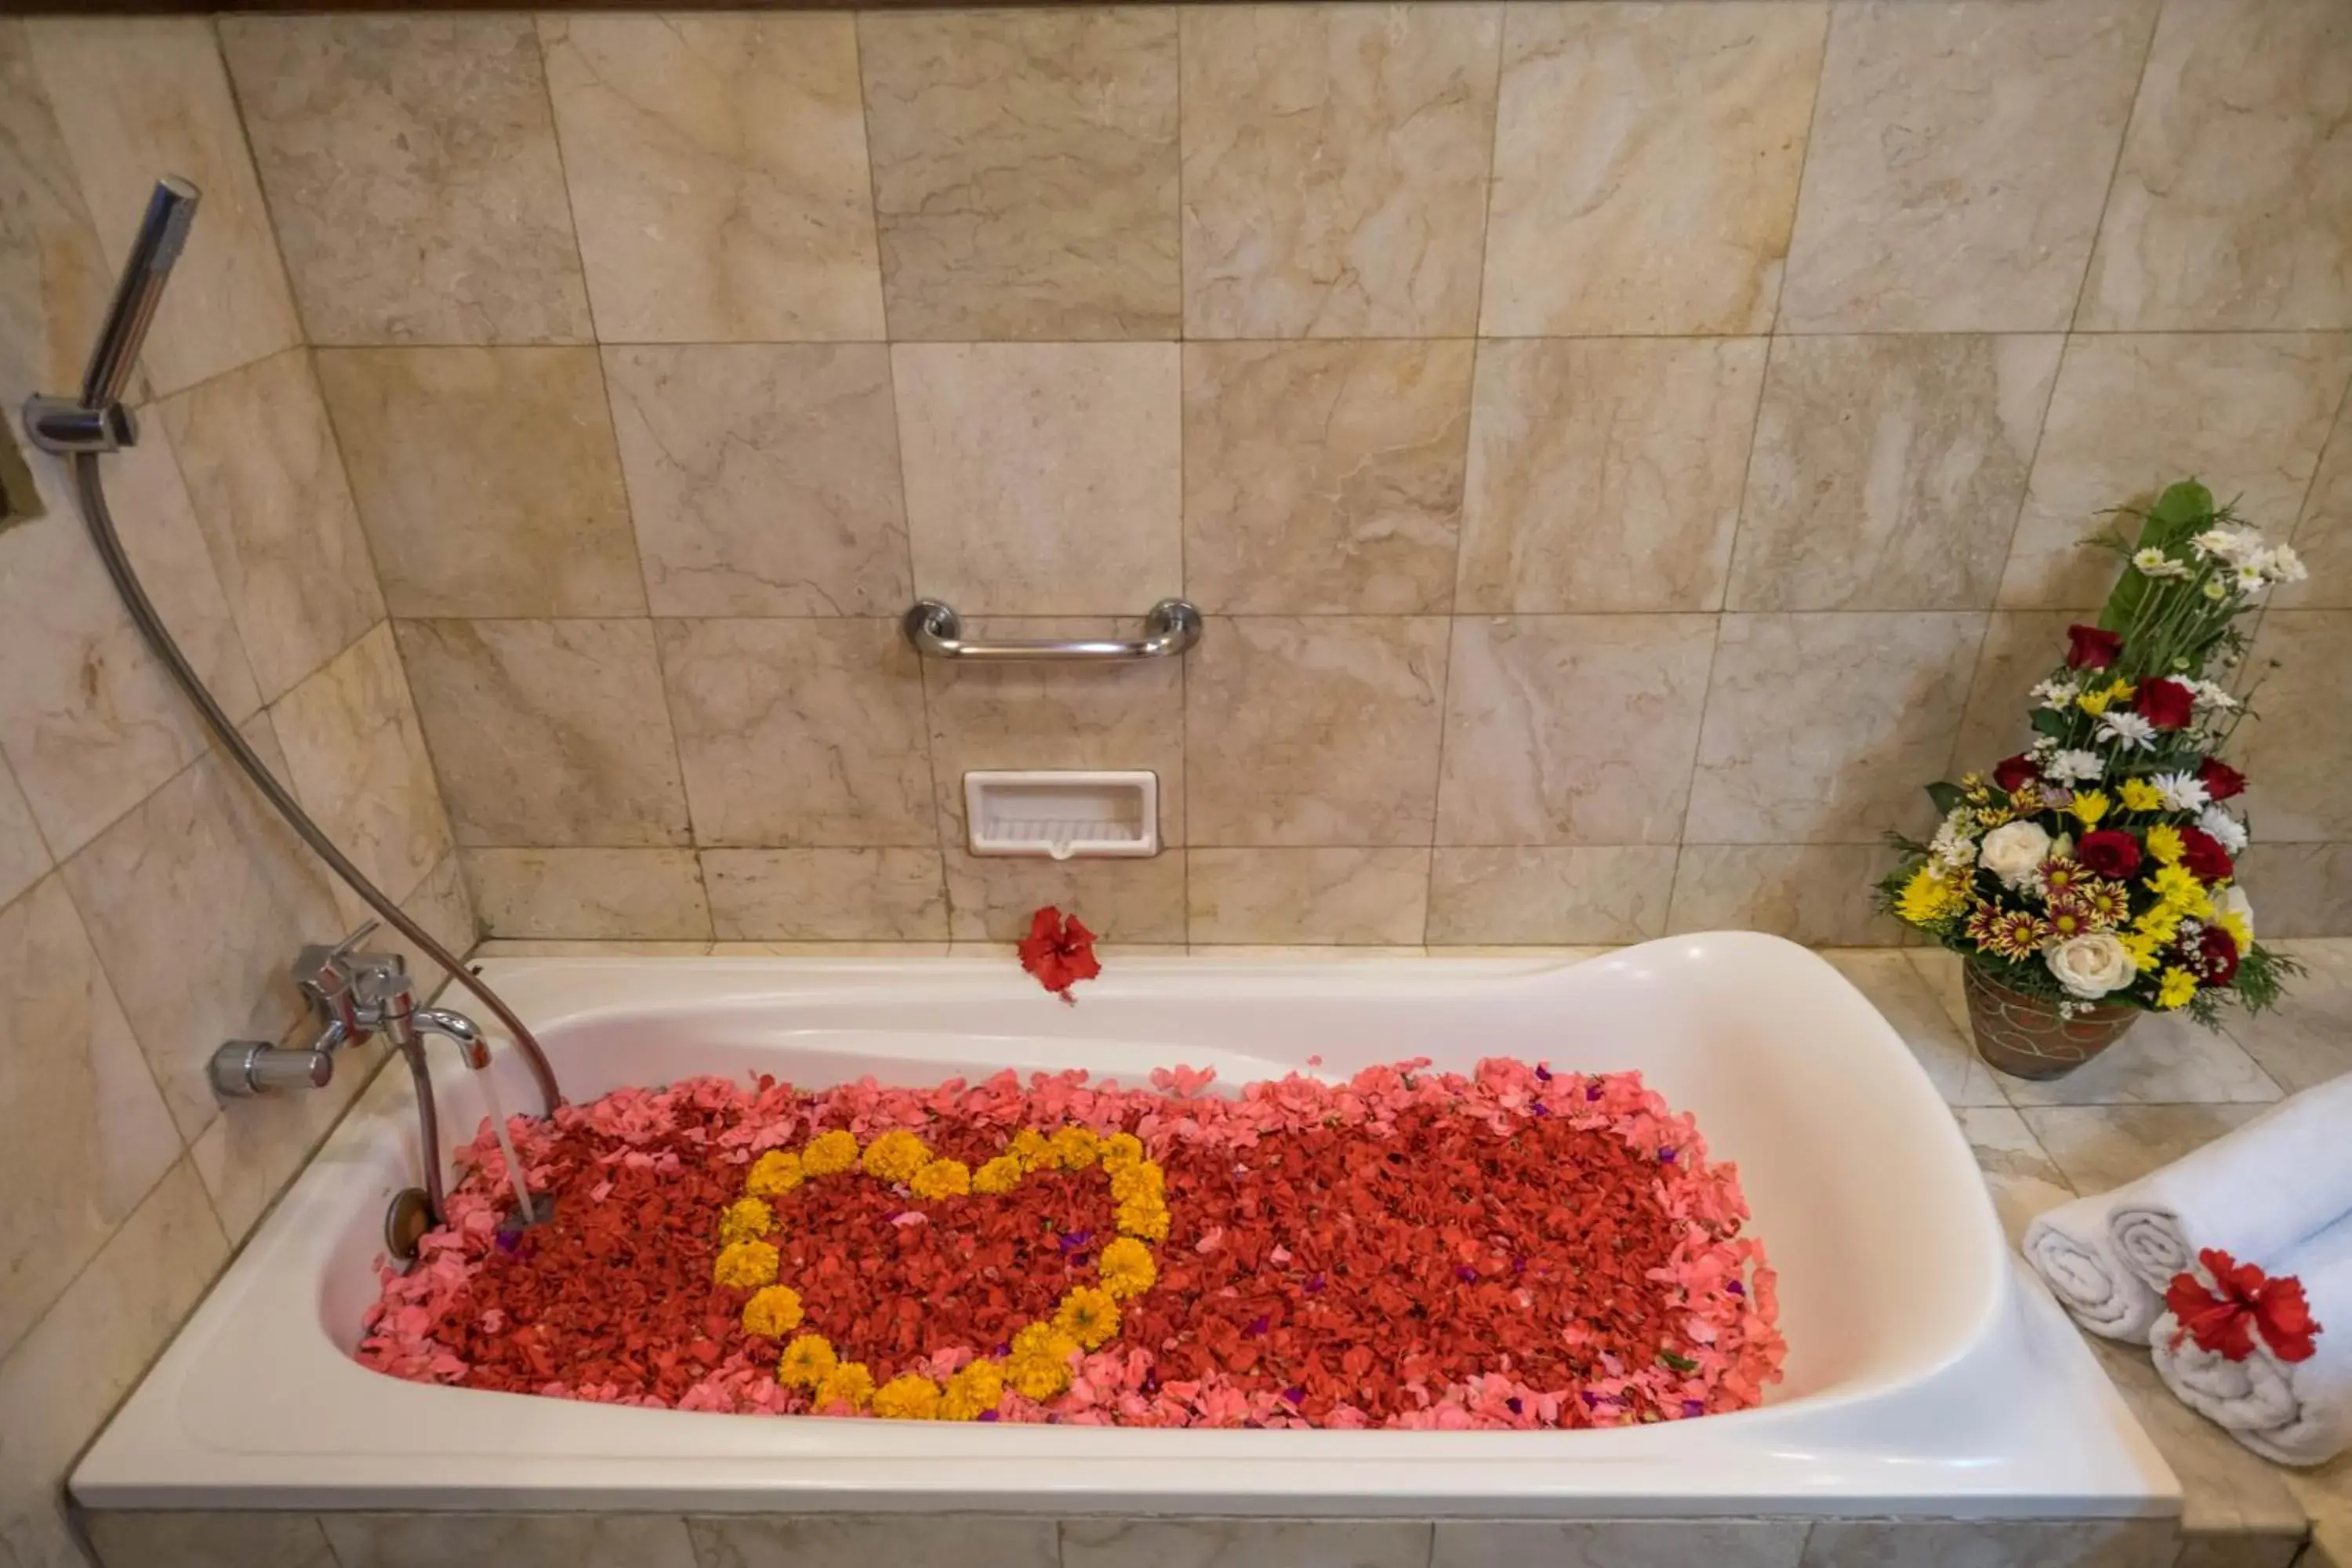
[(453, 1027)]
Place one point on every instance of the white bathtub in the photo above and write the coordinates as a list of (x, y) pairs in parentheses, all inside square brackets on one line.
[(1926, 1376)]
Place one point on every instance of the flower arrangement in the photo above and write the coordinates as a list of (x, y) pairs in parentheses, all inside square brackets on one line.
[(2097, 868)]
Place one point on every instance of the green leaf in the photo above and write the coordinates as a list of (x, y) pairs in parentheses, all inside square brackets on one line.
[(2049, 721), (1679, 1363), (1946, 796), (2183, 509)]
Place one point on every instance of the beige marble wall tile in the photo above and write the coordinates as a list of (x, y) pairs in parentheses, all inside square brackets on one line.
[(763, 477), (991, 898), (1245, 1543), (486, 479), (648, 894), (269, 489), (1572, 728), (54, 279), (1321, 729), (826, 895), (1888, 471), (2244, 413), (1592, 893), (88, 716), (2090, 1543), (23, 855), (67, 1375), (612, 949), (209, 1540), (2307, 1039), (1347, 896), (1822, 728), (829, 950), (1123, 715), (2162, 1062), (197, 901), (1646, 160), (2021, 649), (1335, 169), (1619, 1544), (2101, 1147), (1324, 478), (444, 906), (2306, 890), (248, 1152), (548, 732), (2297, 750), (1043, 478), (1901, 992), (1605, 476), (951, 1541), (84, 1132), (1026, 171), (799, 733), (2018, 1171), (356, 757), (1819, 894), (2233, 204), (425, 137), (512, 1540), (1960, 156), (141, 98), (2323, 535), (717, 172)]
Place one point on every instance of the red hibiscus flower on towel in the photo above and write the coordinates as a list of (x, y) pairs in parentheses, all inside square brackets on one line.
[(1059, 950), (2244, 1301)]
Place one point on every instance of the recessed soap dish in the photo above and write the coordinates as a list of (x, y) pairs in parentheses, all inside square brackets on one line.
[(1063, 816)]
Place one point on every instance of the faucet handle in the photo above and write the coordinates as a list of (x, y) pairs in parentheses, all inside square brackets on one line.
[(328, 975)]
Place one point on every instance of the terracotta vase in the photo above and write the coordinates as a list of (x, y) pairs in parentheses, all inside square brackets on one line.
[(2024, 1036)]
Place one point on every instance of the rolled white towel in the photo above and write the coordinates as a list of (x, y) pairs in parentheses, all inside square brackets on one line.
[(2297, 1412), (2253, 1193), (2072, 1247)]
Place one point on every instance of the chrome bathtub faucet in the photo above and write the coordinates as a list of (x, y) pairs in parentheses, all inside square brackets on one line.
[(356, 996)]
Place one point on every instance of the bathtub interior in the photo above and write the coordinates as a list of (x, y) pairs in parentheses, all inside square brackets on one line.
[(1890, 1260)]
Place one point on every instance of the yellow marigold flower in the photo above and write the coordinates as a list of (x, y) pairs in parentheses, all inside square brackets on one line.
[(1089, 1316), (807, 1362), (1928, 897), (909, 1396), (1144, 1179), (2141, 795), (774, 1174), (1001, 1174), (773, 1311), (978, 1388), (2176, 988), (2164, 843), (1146, 1218), (896, 1156), (2088, 806), (1072, 1148), (1032, 1339), (2241, 929), (828, 1152), (943, 1179), (745, 1219), (2143, 949), (1121, 1150), (1039, 1367), (745, 1264), (847, 1384), (1028, 1146), (1127, 1268)]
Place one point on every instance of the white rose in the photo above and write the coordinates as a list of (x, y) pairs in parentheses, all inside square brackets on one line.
[(2014, 851), (2090, 966)]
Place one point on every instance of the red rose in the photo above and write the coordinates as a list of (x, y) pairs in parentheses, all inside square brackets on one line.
[(2165, 704), (2089, 647), (2203, 855), (2012, 773), (2244, 1302), (2221, 780), (2109, 853), (2216, 956)]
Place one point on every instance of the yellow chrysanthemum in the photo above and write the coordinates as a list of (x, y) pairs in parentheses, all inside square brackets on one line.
[(1144, 1179), (2181, 890), (772, 1311), (2143, 947), (972, 1392), (2159, 924), (1146, 1218), (1028, 1146), (847, 1384), (2241, 929), (2141, 795), (2095, 700), (943, 1179), (806, 1363), (1073, 1149), (2176, 988), (896, 1156), (1001, 1174), (745, 1219), (909, 1396), (2088, 806), (745, 1264), (2164, 843), (829, 1152), (1089, 1316), (1127, 1268), (774, 1174), (1929, 896), (1121, 1150)]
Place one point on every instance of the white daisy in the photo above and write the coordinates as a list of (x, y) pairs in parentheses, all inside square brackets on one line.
[(2217, 588), (2217, 698), (2066, 767), (2249, 578), (1953, 847), (2058, 693), (2155, 562), (2231, 544), (2283, 566), (2228, 829), (2181, 792), (2127, 729)]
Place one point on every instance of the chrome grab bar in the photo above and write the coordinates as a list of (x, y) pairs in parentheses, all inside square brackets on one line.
[(1171, 627)]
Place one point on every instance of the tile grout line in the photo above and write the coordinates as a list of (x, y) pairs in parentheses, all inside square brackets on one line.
[(2114, 169)]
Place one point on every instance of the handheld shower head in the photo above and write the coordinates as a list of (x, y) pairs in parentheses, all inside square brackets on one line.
[(99, 422)]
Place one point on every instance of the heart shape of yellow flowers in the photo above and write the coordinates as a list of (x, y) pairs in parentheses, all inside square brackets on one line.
[(1038, 1364)]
